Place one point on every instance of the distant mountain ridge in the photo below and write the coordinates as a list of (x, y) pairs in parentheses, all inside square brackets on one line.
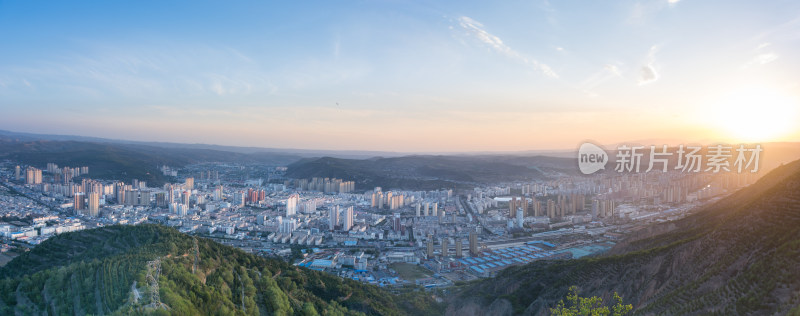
[(26, 137), (352, 154), (125, 161), (737, 256), (132, 161), (428, 172)]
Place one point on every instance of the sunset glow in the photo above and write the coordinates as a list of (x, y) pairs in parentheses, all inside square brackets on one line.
[(757, 115), (412, 77)]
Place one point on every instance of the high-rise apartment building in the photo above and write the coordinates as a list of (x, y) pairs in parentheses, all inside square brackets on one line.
[(185, 197), (430, 248), (473, 243), (348, 219), (79, 201), (291, 204), (93, 204), (33, 176), (333, 217)]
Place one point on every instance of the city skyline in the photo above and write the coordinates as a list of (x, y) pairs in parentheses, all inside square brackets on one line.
[(403, 76)]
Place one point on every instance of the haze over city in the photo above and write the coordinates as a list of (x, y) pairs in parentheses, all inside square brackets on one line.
[(402, 76)]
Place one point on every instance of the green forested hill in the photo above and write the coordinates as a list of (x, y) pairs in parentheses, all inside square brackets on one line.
[(105, 271)]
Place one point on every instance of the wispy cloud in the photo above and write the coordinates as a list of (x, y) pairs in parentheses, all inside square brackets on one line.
[(761, 59), (642, 11), (783, 32), (225, 85), (550, 13), (609, 71), (648, 73), (762, 56), (146, 72), (765, 58), (476, 30)]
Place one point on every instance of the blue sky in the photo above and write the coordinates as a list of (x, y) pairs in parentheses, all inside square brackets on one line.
[(401, 75)]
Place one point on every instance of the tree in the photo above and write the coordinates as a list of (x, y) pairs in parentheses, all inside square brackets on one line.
[(309, 310), (589, 306)]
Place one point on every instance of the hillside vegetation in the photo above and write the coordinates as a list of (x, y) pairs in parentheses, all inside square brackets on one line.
[(111, 270)]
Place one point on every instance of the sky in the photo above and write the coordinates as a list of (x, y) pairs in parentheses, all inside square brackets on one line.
[(414, 76)]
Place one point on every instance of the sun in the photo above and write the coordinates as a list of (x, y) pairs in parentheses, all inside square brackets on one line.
[(754, 114)]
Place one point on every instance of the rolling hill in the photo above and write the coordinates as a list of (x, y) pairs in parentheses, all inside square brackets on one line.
[(737, 256), (430, 172), (124, 161), (112, 270)]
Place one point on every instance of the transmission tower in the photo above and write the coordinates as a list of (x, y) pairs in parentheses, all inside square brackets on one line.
[(153, 271)]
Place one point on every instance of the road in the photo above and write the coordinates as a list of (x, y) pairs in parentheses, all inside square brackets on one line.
[(474, 216)]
